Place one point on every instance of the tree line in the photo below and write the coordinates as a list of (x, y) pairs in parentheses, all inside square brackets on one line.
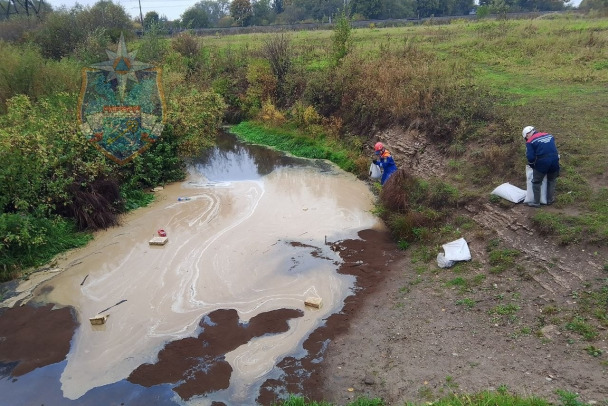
[(226, 13)]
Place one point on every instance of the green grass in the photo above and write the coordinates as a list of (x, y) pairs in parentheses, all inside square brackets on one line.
[(296, 143), (467, 302), (30, 242), (501, 397), (581, 326)]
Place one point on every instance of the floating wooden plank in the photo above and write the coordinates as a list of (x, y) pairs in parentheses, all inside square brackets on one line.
[(315, 302), (99, 319), (159, 240)]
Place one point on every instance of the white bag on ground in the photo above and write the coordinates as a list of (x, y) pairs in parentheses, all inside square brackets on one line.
[(530, 193), (374, 171), (457, 250), (442, 262), (510, 192)]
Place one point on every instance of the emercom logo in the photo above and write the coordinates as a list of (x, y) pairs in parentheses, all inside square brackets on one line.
[(121, 107)]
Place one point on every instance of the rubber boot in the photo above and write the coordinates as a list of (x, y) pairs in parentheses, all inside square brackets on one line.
[(536, 192), (551, 191)]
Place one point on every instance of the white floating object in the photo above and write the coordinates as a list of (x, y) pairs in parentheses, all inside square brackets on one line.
[(99, 319), (315, 302), (159, 240)]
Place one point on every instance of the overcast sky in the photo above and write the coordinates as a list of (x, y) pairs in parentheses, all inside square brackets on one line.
[(172, 9)]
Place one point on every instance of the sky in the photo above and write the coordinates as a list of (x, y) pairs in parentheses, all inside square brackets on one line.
[(172, 9)]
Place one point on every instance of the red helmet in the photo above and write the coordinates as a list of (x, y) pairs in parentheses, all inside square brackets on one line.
[(379, 146)]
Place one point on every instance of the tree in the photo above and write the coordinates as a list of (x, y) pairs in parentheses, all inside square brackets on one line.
[(241, 11), (369, 9), (430, 8), (108, 15), (277, 50), (150, 19), (263, 13), (341, 38), (594, 5), (195, 17), (398, 9), (215, 10), (277, 6)]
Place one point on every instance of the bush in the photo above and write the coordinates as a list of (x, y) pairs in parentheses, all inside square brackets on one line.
[(29, 241), (43, 154), (195, 118)]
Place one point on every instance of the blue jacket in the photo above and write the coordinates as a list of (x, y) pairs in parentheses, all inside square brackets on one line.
[(542, 154), (387, 164)]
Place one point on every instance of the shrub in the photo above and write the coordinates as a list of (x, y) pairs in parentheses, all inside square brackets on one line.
[(186, 44), (277, 50), (262, 85), (29, 241), (341, 38), (195, 118), (43, 154)]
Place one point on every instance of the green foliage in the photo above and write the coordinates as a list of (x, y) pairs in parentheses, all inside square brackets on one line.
[(241, 11), (502, 259), (277, 50), (195, 118), (580, 325), (294, 400), (151, 18), (504, 310), (498, 398), (29, 241), (65, 30), (159, 165), (24, 71), (297, 143), (341, 38), (467, 302), (593, 351), (93, 47), (569, 398), (153, 47), (43, 155)]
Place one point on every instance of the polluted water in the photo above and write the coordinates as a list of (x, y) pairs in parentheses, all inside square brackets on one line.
[(246, 236)]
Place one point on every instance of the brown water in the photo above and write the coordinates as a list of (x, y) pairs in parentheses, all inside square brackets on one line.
[(252, 238)]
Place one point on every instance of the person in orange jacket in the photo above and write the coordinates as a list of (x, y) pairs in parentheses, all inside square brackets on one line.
[(385, 161)]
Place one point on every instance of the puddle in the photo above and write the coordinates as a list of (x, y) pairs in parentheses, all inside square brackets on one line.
[(251, 240)]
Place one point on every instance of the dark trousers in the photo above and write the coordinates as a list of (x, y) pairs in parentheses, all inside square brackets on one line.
[(537, 180)]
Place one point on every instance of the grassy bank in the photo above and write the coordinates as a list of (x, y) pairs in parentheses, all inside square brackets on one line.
[(499, 398)]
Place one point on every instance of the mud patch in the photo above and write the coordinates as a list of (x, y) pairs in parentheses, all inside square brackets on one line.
[(197, 364), (369, 260), (32, 337)]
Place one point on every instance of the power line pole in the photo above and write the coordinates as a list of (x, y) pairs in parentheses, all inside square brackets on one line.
[(141, 16)]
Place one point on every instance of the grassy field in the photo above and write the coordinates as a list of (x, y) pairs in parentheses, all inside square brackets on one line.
[(548, 72)]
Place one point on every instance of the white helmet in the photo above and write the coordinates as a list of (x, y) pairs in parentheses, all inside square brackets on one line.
[(527, 130)]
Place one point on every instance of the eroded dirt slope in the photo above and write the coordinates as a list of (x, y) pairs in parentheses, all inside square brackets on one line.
[(426, 331)]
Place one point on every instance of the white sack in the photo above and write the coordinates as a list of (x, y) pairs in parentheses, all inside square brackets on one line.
[(442, 262), (374, 171), (530, 193), (510, 192), (457, 250)]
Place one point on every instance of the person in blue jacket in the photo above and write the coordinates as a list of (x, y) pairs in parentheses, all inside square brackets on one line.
[(543, 158), (385, 161)]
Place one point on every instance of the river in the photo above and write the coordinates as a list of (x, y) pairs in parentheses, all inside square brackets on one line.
[(249, 235)]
